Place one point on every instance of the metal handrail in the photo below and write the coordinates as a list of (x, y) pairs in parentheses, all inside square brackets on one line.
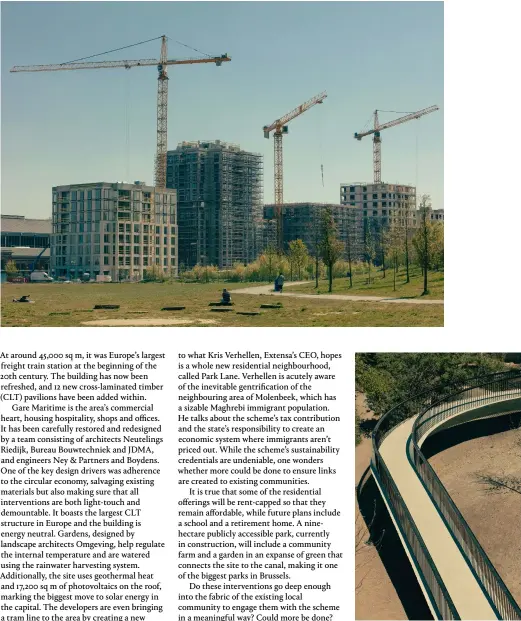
[(485, 571), (483, 568)]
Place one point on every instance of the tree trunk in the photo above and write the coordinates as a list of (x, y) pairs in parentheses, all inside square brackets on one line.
[(350, 272), (316, 271), (330, 277), (407, 259)]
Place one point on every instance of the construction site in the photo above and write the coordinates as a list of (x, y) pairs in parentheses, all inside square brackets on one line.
[(216, 211)]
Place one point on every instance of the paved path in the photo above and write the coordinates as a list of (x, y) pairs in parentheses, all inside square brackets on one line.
[(268, 290), (468, 598)]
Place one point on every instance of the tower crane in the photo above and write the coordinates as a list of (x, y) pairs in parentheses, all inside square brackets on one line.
[(377, 141), (279, 128), (162, 90)]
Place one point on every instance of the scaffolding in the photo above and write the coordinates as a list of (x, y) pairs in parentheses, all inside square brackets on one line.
[(304, 221), (219, 202)]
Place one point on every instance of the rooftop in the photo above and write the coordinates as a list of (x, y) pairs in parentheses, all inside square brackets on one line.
[(21, 224)]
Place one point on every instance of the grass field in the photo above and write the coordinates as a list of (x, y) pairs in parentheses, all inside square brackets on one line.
[(381, 287), (141, 303)]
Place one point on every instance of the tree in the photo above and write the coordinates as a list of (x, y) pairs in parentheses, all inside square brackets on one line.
[(331, 247), (298, 256), (316, 242), (154, 273), (349, 251), (426, 241), (390, 378), (270, 255), (394, 248), (369, 248), (437, 252), (10, 269)]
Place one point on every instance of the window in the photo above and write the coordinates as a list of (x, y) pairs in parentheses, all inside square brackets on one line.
[(364, 188), (352, 188), (375, 196), (352, 197), (375, 204)]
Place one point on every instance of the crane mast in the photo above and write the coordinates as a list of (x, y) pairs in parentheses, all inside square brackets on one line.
[(279, 128), (162, 91), (162, 118), (377, 140)]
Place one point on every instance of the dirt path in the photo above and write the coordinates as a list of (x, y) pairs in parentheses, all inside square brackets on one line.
[(494, 517), (375, 595), (268, 290)]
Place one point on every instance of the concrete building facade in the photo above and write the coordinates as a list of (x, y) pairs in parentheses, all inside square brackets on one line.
[(113, 229), (381, 201), (219, 198)]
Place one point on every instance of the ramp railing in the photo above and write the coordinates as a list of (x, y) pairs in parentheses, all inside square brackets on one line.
[(433, 409)]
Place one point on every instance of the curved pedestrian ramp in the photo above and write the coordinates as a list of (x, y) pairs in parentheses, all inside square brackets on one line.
[(456, 576)]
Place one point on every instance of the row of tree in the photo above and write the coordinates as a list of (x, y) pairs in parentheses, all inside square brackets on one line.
[(330, 255)]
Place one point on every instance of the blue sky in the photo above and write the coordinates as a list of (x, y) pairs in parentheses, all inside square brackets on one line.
[(78, 126)]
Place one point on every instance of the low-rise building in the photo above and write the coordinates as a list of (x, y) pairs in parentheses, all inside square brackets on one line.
[(26, 242)]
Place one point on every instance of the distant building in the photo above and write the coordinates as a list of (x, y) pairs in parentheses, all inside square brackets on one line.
[(380, 202), (303, 221), (219, 200), (26, 241), (437, 215), (114, 229)]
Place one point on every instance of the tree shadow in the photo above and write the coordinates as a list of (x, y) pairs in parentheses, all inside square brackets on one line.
[(390, 549), (448, 438), (367, 426)]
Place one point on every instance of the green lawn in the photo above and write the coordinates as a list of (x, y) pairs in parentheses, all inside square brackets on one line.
[(140, 304), (381, 287)]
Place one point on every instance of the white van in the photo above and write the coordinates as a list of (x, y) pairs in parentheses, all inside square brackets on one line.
[(40, 276)]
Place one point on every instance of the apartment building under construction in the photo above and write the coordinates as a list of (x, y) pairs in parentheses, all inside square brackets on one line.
[(304, 221), (219, 202)]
